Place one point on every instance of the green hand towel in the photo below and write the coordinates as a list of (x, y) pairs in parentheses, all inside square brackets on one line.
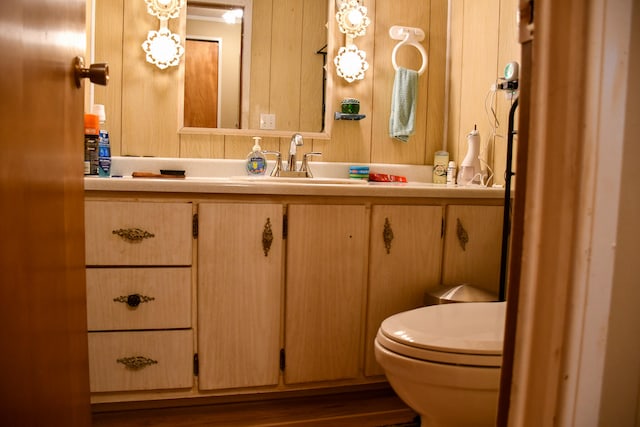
[(403, 104)]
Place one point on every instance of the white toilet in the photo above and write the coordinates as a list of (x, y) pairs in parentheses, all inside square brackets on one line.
[(444, 361)]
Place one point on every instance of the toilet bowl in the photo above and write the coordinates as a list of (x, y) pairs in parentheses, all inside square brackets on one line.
[(444, 361)]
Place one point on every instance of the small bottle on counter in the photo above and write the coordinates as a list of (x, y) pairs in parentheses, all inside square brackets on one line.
[(451, 173), (91, 141), (256, 160), (104, 145), (440, 161)]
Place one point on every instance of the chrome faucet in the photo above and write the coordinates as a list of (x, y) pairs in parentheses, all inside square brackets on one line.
[(278, 169), (296, 141), (278, 166), (305, 164)]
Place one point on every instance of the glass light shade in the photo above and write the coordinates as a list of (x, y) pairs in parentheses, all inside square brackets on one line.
[(164, 9), (163, 48), (233, 16), (351, 63), (352, 18)]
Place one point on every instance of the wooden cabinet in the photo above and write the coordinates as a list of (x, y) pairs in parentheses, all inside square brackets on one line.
[(240, 261), (270, 293), (326, 282), (138, 279), (472, 246), (405, 256)]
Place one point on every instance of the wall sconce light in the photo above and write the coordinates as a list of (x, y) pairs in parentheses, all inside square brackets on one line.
[(164, 9), (162, 47), (233, 16), (352, 18), (353, 21), (351, 63)]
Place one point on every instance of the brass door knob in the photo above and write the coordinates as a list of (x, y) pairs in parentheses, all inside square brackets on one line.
[(96, 73)]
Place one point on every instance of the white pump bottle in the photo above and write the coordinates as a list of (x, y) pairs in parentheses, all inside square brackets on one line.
[(470, 171)]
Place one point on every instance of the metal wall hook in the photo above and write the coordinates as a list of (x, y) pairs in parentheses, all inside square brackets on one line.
[(96, 73)]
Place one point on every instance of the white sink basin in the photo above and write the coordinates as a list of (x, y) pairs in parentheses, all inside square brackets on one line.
[(290, 180)]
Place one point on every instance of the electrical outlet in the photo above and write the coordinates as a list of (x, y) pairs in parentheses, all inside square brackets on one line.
[(267, 121)]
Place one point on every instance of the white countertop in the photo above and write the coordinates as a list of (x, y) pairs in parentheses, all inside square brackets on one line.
[(227, 177), (327, 188)]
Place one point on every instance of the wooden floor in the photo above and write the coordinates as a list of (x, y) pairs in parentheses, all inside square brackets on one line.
[(357, 409)]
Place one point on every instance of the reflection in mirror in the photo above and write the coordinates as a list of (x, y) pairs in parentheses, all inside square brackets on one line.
[(269, 72), (214, 64)]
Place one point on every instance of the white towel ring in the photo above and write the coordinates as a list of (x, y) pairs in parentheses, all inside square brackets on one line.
[(409, 36)]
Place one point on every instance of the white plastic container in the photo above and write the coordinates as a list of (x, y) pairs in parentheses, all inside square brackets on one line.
[(470, 171), (451, 173), (440, 161)]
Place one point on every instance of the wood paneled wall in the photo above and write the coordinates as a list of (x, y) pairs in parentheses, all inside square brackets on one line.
[(144, 103), (483, 41), (286, 72)]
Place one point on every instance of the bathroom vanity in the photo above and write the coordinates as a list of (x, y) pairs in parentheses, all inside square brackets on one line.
[(220, 287)]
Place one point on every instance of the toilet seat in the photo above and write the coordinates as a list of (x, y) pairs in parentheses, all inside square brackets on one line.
[(461, 334)]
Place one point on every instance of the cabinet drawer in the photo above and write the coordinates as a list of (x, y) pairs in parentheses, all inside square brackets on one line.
[(163, 297), (165, 360), (138, 233)]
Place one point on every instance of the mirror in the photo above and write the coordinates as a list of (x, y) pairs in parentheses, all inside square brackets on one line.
[(271, 70), (216, 53), (244, 73)]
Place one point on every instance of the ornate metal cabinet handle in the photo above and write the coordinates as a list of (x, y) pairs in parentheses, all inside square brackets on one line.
[(267, 237), (387, 235), (136, 362), (133, 300), (463, 236), (133, 235)]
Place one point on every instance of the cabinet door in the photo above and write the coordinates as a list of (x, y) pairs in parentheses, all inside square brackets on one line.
[(239, 294), (405, 256), (473, 240), (326, 265)]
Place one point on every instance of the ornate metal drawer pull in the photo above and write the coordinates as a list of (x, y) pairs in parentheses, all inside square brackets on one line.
[(133, 235), (136, 362), (463, 236), (133, 300), (387, 235), (267, 237)]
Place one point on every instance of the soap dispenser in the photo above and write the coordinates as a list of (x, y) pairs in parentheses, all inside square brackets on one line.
[(256, 161), (470, 171)]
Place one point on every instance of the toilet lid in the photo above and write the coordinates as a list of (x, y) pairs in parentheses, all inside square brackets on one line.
[(475, 328)]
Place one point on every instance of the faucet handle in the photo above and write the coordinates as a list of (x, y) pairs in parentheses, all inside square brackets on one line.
[(278, 167), (305, 163)]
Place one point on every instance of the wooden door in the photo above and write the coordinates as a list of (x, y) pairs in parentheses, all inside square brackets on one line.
[(201, 84), (326, 269), (239, 294), (405, 257), (44, 358), (473, 239)]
